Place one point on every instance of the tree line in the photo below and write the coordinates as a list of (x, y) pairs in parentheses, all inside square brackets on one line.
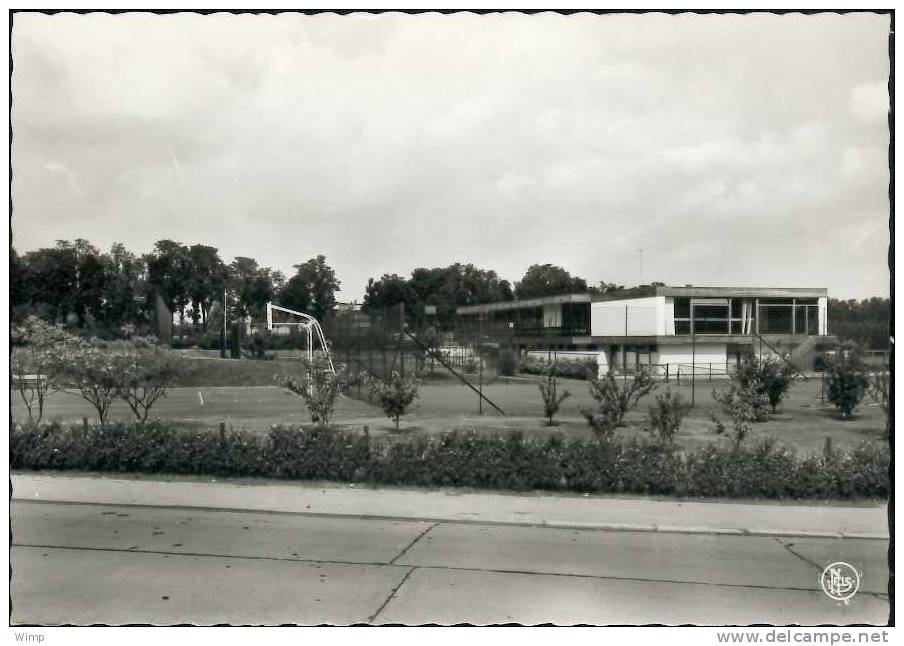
[(73, 282)]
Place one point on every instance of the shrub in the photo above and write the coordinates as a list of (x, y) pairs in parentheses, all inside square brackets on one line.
[(664, 416), (614, 400), (258, 345), (36, 361), (568, 369), (317, 453), (771, 376), (745, 401), (463, 459), (98, 369), (146, 372), (319, 390), (878, 388), (846, 379), (552, 398), (743, 404), (395, 395), (506, 364)]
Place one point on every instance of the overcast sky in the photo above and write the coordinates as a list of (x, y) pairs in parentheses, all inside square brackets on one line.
[(733, 150)]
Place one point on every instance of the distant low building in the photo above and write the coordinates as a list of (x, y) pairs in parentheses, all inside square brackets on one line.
[(343, 308), (667, 328)]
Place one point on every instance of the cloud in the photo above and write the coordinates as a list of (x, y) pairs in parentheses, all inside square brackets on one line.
[(869, 102), (404, 140)]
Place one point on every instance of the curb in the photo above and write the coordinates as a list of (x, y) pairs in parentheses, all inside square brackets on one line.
[(570, 525)]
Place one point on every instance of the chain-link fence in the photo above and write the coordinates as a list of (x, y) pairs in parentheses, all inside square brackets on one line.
[(378, 342)]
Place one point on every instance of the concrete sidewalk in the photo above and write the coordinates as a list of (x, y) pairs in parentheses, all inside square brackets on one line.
[(566, 511)]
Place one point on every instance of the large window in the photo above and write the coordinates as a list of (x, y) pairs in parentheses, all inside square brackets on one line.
[(776, 316), (682, 315), (741, 316), (710, 316), (576, 318), (775, 319)]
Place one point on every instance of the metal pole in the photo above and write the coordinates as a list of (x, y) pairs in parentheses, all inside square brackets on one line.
[(223, 335), (693, 357), (480, 367), (401, 350)]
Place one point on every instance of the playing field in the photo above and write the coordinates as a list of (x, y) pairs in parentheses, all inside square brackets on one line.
[(802, 420)]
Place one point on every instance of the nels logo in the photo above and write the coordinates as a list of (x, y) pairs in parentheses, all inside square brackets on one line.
[(840, 581)]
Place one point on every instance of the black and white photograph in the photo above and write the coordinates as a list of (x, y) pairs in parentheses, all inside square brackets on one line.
[(452, 318)]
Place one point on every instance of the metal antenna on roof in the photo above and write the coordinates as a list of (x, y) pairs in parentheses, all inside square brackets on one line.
[(640, 261)]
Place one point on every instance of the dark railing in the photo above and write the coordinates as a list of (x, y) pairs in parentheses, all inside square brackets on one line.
[(677, 371)]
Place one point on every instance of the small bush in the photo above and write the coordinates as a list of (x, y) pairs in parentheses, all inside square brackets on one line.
[(568, 369), (318, 390), (146, 371), (614, 400), (664, 416), (846, 379), (506, 364), (552, 398), (36, 361), (743, 404), (258, 345), (770, 376), (395, 395), (879, 387), (745, 388)]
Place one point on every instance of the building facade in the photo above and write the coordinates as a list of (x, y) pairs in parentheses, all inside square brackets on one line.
[(668, 329)]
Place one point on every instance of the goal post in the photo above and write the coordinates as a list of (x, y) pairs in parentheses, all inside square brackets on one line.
[(310, 325)]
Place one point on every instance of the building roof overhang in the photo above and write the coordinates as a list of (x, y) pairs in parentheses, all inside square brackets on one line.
[(505, 306)]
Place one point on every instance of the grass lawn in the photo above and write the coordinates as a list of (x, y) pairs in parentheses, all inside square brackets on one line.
[(241, 394)]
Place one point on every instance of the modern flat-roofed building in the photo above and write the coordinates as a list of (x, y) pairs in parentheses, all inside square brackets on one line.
[(710, 327)]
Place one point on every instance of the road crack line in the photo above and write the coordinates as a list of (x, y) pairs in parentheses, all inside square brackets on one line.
[(803, 558), (412, 543), (392, 594), (820, 568)]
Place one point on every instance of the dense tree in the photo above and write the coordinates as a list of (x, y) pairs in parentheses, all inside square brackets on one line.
[(847, 379), (207, 276), (125, 287), (548, 280), (73, 283), (49, 279), (864, 322), (446, 288), (252, 287), (91, 281), (312, 289), (169, 275), (18, 289), (389, 290)]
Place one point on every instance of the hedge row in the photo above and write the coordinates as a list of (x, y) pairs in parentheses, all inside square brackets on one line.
[(572, 369), (460, 459)]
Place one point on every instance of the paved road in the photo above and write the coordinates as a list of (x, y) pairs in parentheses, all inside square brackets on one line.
[(115, 564)]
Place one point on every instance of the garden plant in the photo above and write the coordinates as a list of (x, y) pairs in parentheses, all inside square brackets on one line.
[(664, 416), (552, 397), (394, 395), (319, 391), (847, 379), (614, 400)]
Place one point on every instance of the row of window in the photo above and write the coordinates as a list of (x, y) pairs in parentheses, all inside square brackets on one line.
[(742, 316)]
